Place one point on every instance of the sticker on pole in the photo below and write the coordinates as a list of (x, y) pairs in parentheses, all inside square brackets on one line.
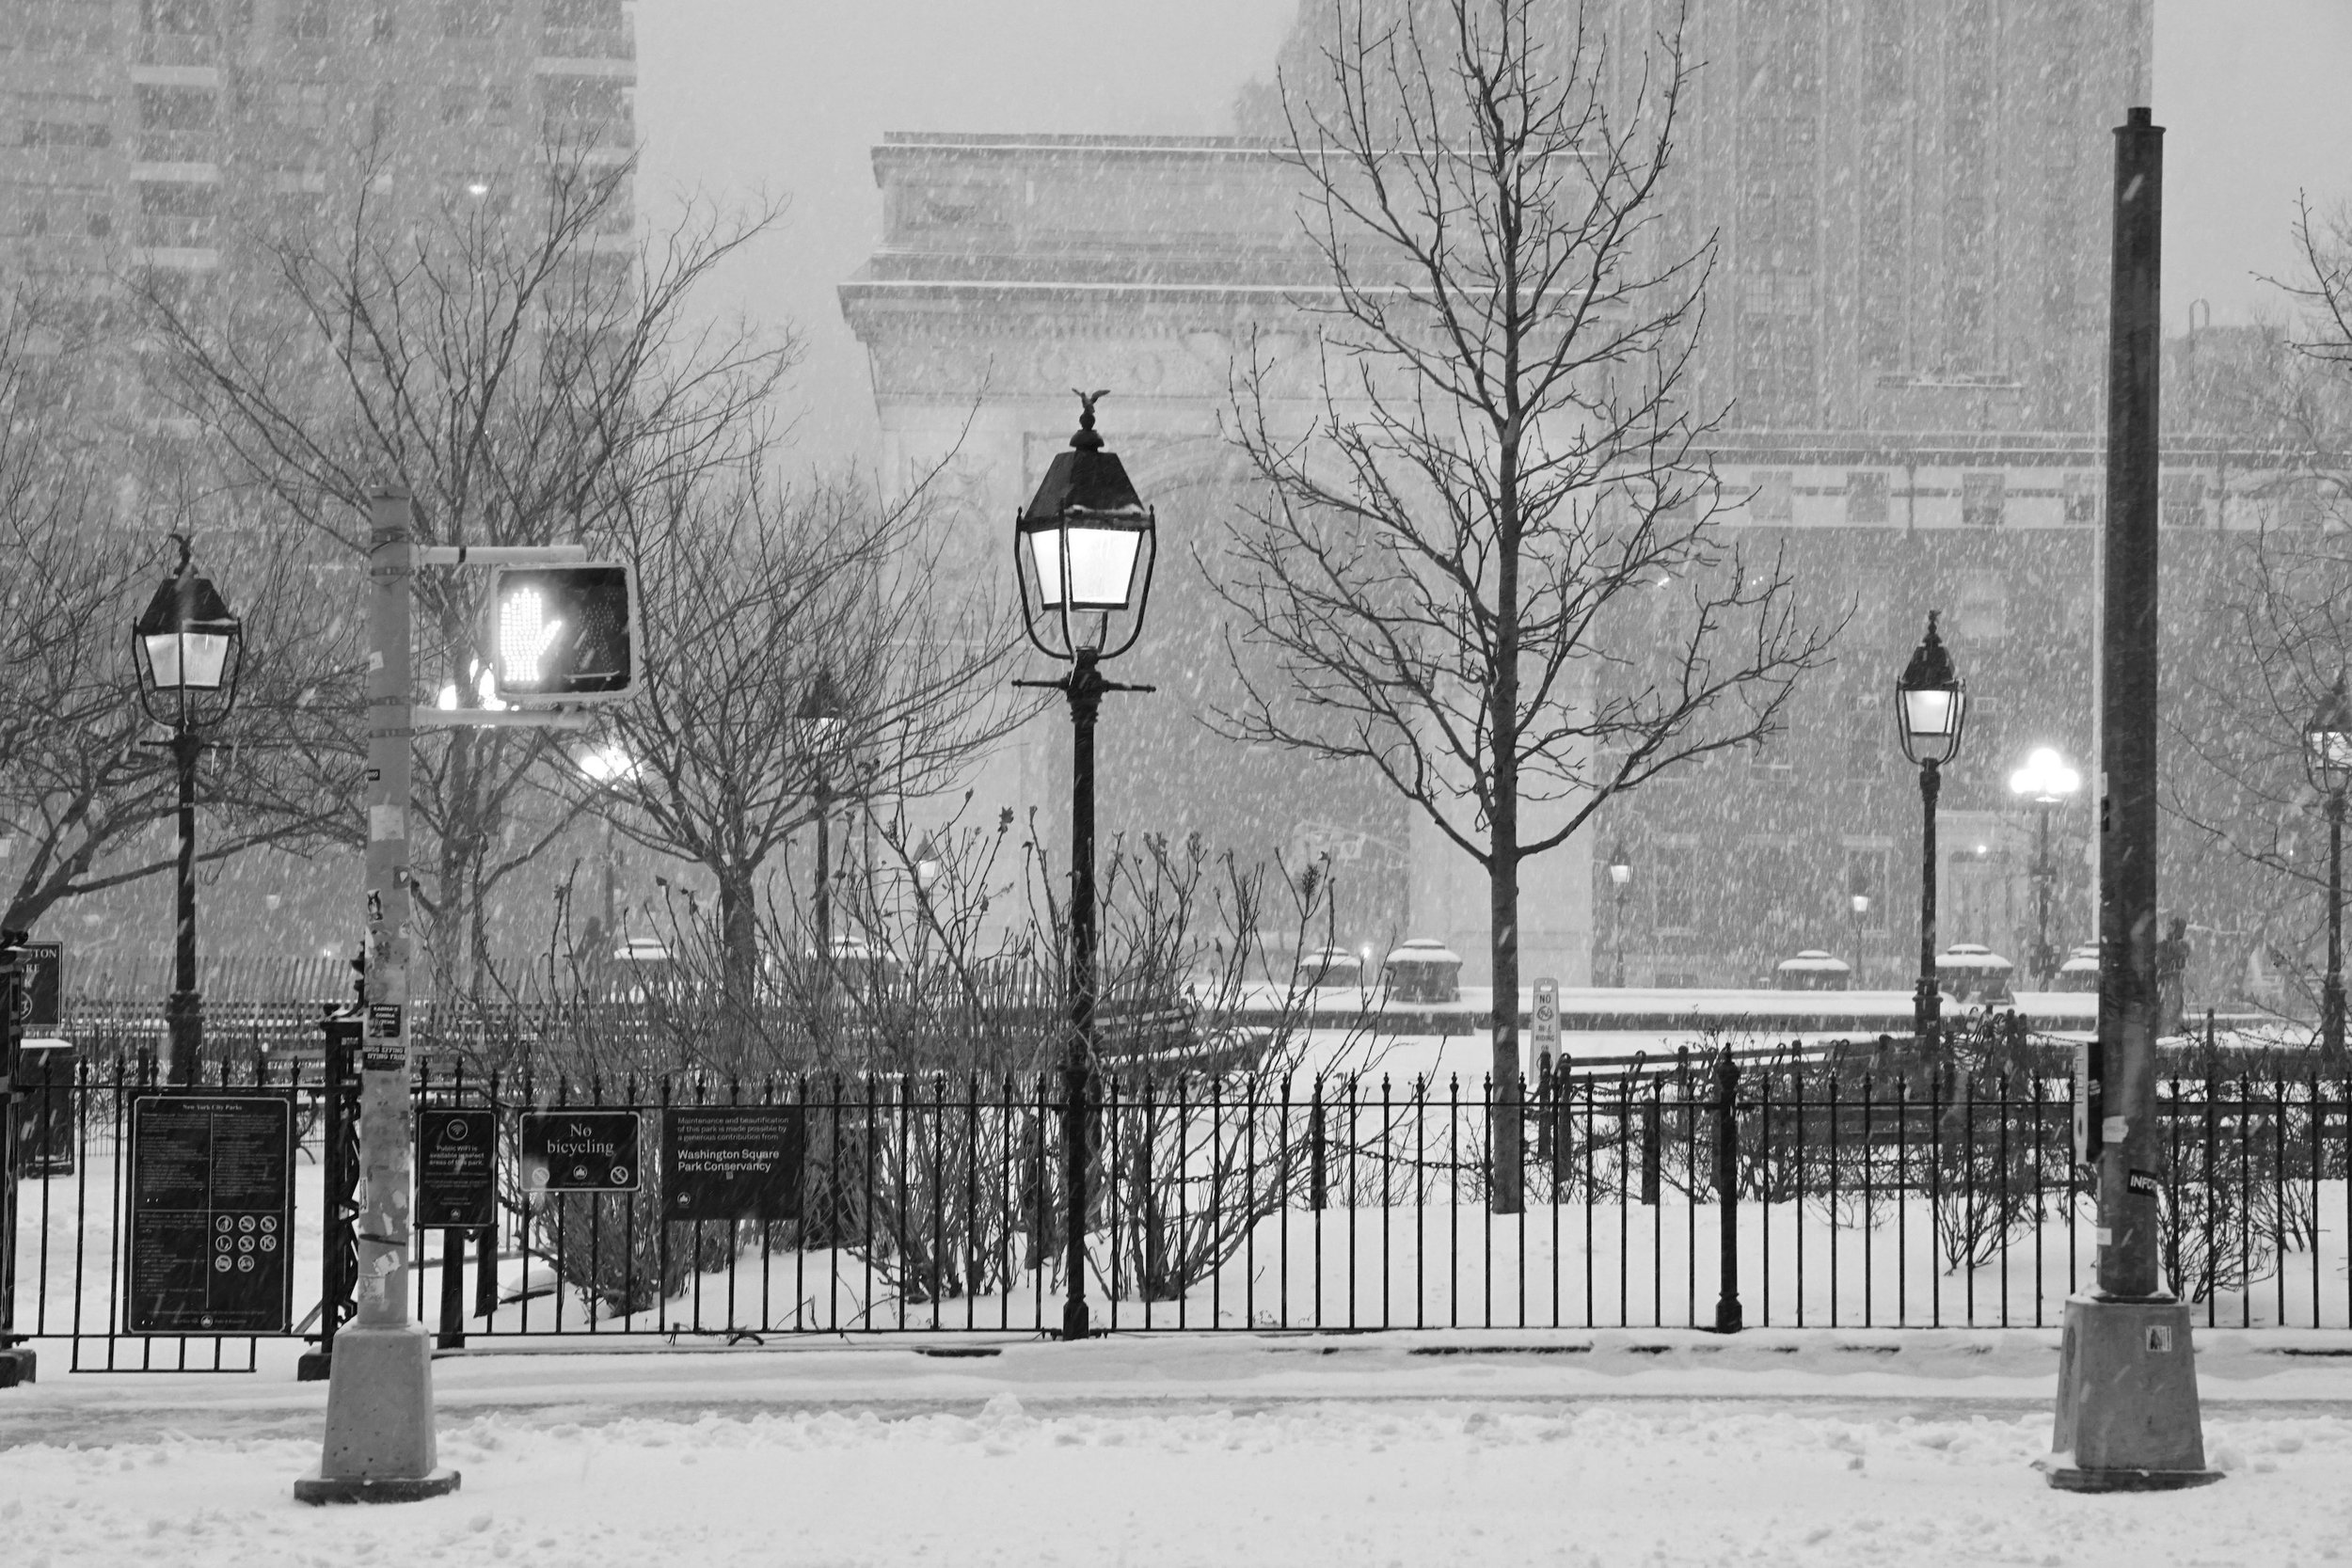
[(580, 1151), (732, 1161)]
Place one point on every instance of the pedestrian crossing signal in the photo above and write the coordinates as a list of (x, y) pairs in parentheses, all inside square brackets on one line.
[(564, 633)]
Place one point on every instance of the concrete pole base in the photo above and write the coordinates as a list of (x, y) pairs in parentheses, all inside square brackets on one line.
[(2128, 1409), (17, 1364), (380, 1443), (318, 1490)]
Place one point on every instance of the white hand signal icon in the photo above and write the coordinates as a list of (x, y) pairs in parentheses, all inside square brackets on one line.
[(525, 635)]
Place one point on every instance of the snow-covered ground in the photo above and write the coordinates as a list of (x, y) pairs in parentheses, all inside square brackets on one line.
[(1776, 1448)]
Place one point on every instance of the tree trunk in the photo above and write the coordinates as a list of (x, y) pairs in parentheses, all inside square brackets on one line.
[(1506, 1126), (738, 936)]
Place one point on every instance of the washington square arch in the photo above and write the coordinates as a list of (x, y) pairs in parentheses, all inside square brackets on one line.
[(1906, 326)]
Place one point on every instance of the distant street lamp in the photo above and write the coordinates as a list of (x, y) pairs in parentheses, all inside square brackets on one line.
[(2048, 782), (928, 867), (1083, 549), (1621, 877), (1931, 711), (189, 650), (819, 724), (608, 767), (1860, 902), (2327, 750)]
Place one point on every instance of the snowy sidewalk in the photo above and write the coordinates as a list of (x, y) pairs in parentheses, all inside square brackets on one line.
[(1604, 1449)]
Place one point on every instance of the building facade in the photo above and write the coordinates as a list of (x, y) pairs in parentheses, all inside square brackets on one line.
[(1910, 206), (157, 136)]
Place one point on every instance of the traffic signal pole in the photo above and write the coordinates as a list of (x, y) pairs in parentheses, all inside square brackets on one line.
[(2127, 1415), (380, 1443)]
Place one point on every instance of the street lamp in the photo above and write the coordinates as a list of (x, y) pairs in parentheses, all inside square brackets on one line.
[(820, 724), (1621, 877), (2327, 750), (2047, 782), (1859, 902), (609, 766), (189, 650), (1931, 711), (1083, 550)]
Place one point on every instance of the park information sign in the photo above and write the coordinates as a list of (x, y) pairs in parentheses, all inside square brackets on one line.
[(580, 1151), (40, 988), (732, 1161), (456, 1156), (211, 1214)]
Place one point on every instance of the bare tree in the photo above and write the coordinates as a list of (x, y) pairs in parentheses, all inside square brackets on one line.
[(1503, 452), (88, 798), (522, 374), (2280, 603), (753, 596)]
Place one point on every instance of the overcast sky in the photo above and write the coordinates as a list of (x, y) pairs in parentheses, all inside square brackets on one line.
[(739, 96)]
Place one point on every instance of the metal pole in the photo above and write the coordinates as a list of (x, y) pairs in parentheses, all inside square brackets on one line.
[(1620, 975), (2127, 1405), (1086, 686), (380, 1443), (1927, 1008), (183, 1014), (2332, 998), (824, 875), (2128, 1263), (2043, 875), (18, 1362), (1728, 1317)]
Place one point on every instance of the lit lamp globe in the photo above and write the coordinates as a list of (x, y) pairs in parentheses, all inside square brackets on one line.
[(1931, 706), (1085, 547), (187, 648), (2046, 779), (1620, 867), (2328, 741)]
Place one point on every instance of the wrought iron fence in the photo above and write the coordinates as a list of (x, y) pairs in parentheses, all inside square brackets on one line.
[(1873, 1189)]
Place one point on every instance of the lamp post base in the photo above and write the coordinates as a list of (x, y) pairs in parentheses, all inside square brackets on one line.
[(380, 1443), (317, 1490), (2127, 1415)]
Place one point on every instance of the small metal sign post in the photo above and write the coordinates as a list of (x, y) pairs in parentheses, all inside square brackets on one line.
[(732, 1161), (1542, 1044), (211, 1215), (580, 1151)]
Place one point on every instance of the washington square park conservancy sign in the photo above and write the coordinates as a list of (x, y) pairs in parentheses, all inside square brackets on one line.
[(732, 1161), (580, 1151), (211, 1214)]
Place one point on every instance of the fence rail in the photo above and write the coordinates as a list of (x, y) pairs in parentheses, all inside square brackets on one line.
[(1843, 1192)]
